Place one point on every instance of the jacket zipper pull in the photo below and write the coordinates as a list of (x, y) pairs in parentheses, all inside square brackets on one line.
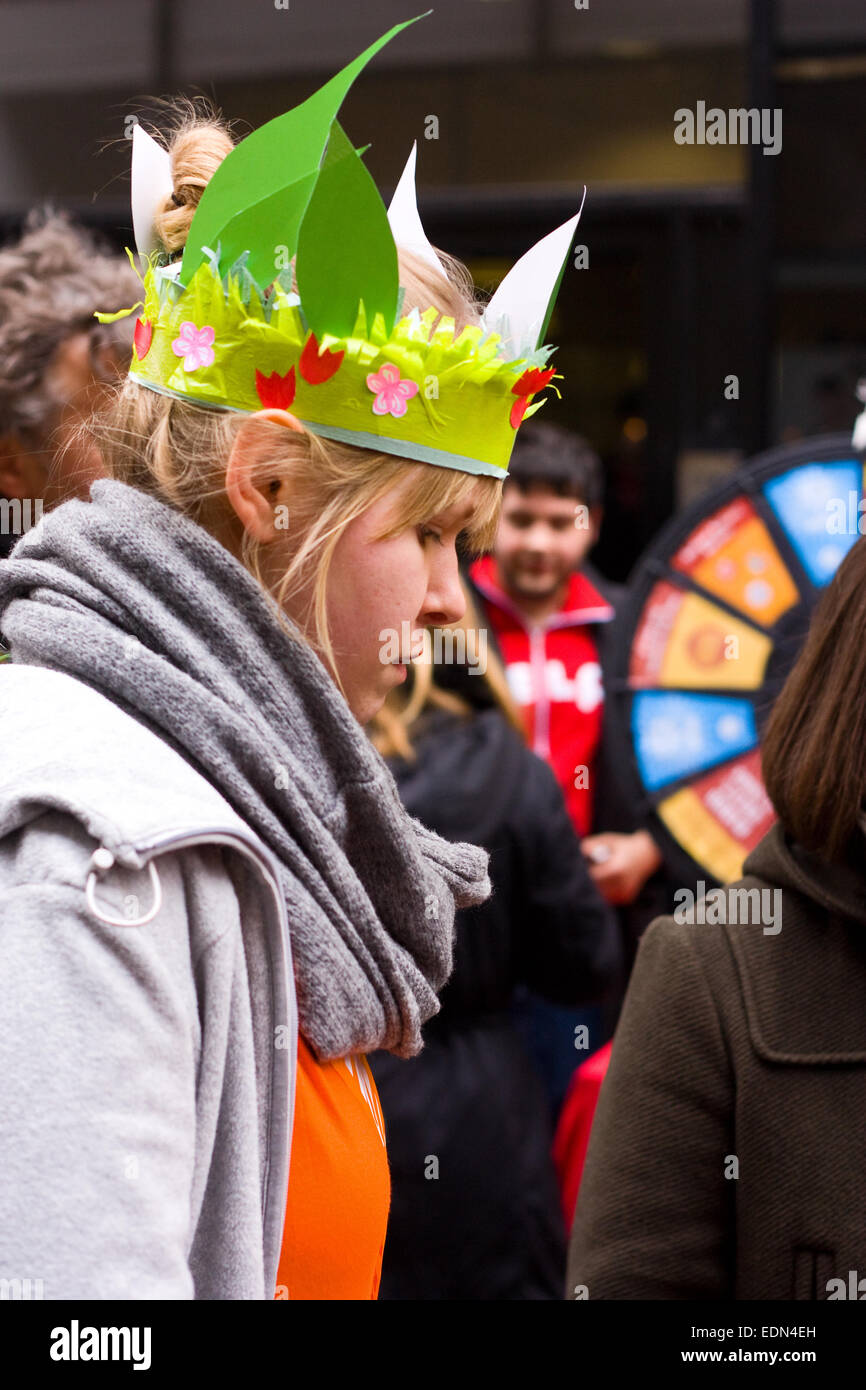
[(101, 861)]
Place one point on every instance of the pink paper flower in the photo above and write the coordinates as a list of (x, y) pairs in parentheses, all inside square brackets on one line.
[(392, 394), (195, 346)]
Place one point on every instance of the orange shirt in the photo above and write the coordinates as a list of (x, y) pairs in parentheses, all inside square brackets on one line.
[(339, 1184)]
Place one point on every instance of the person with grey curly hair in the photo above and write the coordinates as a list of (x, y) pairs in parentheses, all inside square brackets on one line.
[(56, 360)]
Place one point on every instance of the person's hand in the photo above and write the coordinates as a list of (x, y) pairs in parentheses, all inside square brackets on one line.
[(620, 865)]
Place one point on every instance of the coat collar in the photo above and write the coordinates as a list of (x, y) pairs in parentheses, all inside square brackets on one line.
[(804, 987)]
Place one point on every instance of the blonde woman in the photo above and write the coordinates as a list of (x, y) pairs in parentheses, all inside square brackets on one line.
[(214, 903)]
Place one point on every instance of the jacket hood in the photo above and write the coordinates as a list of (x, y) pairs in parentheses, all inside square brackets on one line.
[(839, 889), (73, 750)]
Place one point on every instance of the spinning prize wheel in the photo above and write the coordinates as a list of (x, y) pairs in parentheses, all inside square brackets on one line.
[(718, 609)]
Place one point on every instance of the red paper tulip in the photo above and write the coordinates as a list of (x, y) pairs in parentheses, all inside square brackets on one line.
[(525, 387), (532, 380), (142, 338), (316, 369), (276, 391)]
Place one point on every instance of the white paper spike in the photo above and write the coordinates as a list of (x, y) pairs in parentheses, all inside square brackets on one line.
[(151, 185), (404, 219), (518, 309)]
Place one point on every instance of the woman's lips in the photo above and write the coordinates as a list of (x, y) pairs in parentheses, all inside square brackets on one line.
[(417, 647)]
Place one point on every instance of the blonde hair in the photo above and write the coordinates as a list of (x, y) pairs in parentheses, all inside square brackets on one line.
[(391, 729), (177, 451)]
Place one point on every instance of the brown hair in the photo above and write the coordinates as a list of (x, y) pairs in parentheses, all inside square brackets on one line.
[(391, 729), (814, 746), (177, 451)]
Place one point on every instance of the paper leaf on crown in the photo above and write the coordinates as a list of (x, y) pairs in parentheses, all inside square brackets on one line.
[(520, 309), (404, 218), (560, 238), (151, 186), (346, 211), (247, 231), (266, 181)]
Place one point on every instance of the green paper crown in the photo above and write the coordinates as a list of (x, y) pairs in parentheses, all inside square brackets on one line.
[(224, 328)]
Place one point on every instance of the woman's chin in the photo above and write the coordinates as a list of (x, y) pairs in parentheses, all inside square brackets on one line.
[(365, 706)]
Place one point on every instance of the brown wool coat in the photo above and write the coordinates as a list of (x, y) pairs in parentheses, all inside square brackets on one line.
[(736, 1043)]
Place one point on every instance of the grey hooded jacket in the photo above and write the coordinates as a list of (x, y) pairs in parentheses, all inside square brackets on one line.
[(147, 1063)]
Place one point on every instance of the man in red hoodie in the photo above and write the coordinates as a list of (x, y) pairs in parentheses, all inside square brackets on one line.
[(550, 614)]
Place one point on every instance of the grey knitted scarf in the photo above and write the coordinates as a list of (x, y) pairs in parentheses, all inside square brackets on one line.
[(138, 601)]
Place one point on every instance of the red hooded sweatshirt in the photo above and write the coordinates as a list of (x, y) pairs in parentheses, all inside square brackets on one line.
[(554, 675)]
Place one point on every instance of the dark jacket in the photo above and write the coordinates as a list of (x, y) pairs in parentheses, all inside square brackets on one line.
[(470, 1108), (615, 806), (728, 1153)]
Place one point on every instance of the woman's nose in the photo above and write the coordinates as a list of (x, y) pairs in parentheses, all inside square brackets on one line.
[(444, 601)]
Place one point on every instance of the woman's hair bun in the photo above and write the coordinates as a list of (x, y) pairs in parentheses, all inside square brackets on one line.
[(197, 146)]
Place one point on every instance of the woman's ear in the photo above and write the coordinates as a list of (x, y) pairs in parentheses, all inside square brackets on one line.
[(254, 494)]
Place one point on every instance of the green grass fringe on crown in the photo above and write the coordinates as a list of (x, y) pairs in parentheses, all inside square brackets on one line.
[(459, 417), (236, 302)]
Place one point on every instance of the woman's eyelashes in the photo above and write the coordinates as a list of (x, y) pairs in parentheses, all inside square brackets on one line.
[(426, 533)]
